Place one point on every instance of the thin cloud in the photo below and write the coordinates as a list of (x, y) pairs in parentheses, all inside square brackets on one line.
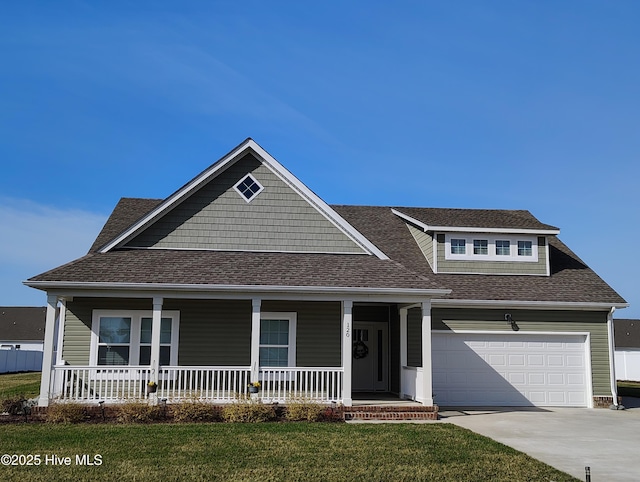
[(39, 237)]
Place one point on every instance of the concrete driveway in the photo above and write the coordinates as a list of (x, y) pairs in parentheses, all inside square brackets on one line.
[(568, 439)]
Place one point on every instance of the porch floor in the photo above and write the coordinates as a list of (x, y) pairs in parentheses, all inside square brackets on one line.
[(377, 399)]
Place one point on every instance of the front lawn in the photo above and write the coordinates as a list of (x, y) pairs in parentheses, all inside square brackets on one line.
[(25, 384), (268, 451)]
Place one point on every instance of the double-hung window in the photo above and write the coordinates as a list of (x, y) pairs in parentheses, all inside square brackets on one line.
[(277, 339), (124, 337)]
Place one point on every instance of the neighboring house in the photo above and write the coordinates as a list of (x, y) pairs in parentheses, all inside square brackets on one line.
[(21, 338), (627, 354), (244, 274)]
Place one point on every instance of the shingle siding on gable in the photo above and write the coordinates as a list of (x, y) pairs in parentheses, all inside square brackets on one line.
[(217, 217), (492, 267), (425, 241)]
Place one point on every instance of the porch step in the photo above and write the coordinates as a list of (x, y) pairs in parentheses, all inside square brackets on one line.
[(390, 412)]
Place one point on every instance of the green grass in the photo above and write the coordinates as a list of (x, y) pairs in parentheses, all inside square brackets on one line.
[(20, 384), (629, 389), (269, 451)]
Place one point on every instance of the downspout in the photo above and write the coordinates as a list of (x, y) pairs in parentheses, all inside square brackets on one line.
[(612, 364)]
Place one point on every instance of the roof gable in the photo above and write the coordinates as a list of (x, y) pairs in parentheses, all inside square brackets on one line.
[(209, 213)]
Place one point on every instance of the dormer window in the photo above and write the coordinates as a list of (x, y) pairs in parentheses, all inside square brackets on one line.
[(458, 246), (525, 248), (491, 247), (481, 246), (248, 187), (503, 247)]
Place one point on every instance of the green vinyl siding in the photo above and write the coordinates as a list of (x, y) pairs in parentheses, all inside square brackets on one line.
[(213, 332), (76, 342), (217, 217), (425, 242), (538, 321), (493, 267), (216, 332), (318, 331)]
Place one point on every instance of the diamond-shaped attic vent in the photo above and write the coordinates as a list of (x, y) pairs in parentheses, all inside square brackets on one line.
[(248, 187)]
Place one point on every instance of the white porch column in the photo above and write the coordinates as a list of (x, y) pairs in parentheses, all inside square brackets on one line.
[(47, 357), (403, 348), (256, 303), (347, 346), (427, 374), (155, 338)]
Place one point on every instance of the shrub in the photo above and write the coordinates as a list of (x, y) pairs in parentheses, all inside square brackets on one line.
[(248, 411), (138, 412), (195, 411), (70, 412), (304, 410), (12, 405)]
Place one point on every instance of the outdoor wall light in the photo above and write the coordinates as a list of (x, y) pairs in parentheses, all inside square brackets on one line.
[(509, 319)]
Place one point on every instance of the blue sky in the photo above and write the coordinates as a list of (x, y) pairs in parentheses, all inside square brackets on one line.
[(497, 104)]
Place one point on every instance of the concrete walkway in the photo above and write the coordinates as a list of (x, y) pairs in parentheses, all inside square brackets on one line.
[(568, 439)]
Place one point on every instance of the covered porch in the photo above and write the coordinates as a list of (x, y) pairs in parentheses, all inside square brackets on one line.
[(318, 330)]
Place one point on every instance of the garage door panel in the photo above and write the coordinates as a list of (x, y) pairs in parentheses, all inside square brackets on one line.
[(509, 370)]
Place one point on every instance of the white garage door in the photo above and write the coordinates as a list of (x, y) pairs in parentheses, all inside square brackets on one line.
[(509, 370)]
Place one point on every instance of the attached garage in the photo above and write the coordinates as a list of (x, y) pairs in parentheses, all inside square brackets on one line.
[(511, 369)]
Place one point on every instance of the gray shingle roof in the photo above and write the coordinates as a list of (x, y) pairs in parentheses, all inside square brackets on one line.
[(127, 211), (571, 280), (238, 268), (22, 322), (626, 333), (475, 218)]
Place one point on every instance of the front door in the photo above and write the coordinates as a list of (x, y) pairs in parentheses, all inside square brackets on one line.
[(370, 356)]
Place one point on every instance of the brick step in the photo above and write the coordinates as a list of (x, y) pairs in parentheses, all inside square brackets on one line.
[(391, 413)]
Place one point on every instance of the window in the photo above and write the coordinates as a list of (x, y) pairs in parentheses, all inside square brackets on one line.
[(525, 248), (480, 246), (489, 247), (503, 247), (114, 340), (124, 338), (458, 246), (277, 339), (248, 187), (145, 341)]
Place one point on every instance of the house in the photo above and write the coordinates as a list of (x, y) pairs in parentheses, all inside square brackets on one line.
[(627, 349), (244, 274), (21, 338)]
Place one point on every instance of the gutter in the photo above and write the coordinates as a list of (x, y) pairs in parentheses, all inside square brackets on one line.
[(258, 289), (612, 364), (530, 305)]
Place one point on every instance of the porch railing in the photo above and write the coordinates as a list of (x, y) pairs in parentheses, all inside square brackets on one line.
[(318, 384), (216, 384), (220, 384), (87, 383)]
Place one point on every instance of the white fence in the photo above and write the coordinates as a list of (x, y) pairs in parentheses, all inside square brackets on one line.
[(214, 384), (628, 365), (20, 361)]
